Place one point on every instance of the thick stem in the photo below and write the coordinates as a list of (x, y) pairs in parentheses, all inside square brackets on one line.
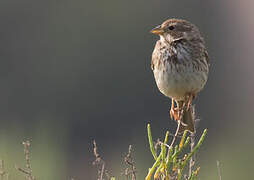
[(192, 159)]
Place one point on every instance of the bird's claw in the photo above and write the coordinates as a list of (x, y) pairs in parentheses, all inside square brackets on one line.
[(175, 114)]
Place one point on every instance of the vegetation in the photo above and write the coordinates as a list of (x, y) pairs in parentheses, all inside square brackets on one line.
[(170, 163)]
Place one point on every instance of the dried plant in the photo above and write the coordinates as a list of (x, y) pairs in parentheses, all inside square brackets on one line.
[(219, 170), (102, 172), (27, 171), (3, 174), (130, 172)]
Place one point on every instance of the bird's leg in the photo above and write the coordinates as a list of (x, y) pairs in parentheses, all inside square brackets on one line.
[(177, 112), (174, 112), (189, 101), (181, 106), (172, 109)]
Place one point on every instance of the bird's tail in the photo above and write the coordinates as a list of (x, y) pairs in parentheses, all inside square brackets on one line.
[(188, 120)]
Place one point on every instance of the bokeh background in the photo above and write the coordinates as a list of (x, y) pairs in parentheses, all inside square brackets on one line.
[(74, 71)]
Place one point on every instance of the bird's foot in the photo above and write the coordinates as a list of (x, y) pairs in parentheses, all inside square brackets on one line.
[(175, 114)]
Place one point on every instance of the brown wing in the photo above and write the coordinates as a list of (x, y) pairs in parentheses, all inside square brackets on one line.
[(155, 55), (207, 58)]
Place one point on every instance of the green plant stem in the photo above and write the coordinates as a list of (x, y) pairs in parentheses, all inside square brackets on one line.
[(195, 148), (182, 140), (163, 148), (186, 142), (151, 142), (157, 172), (157, 162), (169, 158), (179, 175)]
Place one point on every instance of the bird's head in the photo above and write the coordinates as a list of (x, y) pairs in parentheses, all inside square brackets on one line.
[(176, 29)]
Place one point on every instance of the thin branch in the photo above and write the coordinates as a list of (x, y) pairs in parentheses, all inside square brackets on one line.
[(192, 159), (192, 144), (219, 170), (98, 161), (130, 162), (28, 170), (3, 173), (176, 133)]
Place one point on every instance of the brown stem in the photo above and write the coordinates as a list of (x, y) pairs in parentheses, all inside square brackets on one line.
[(219, 170), (176, 133), (192, 160)]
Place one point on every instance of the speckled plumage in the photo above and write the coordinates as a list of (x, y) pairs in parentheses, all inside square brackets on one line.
[(179, 61), (179, 68)]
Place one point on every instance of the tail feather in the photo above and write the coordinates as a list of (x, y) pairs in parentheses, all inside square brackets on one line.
[(188, 121)]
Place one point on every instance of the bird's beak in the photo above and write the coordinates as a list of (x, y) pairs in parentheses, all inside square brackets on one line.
[(157, 30)]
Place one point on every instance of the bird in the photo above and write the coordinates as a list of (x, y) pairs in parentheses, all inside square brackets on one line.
[(180, 65)]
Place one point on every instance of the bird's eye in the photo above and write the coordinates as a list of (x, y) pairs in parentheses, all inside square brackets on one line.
[(171, 28)]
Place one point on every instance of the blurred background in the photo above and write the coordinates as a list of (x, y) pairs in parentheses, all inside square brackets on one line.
[(74, 71)]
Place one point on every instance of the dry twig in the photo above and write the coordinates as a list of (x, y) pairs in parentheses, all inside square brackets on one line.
[(99, 163), (3, 173), (28, 170), (130, 162), (192, 159), (176, 133), (192, 144), (219, 170)]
